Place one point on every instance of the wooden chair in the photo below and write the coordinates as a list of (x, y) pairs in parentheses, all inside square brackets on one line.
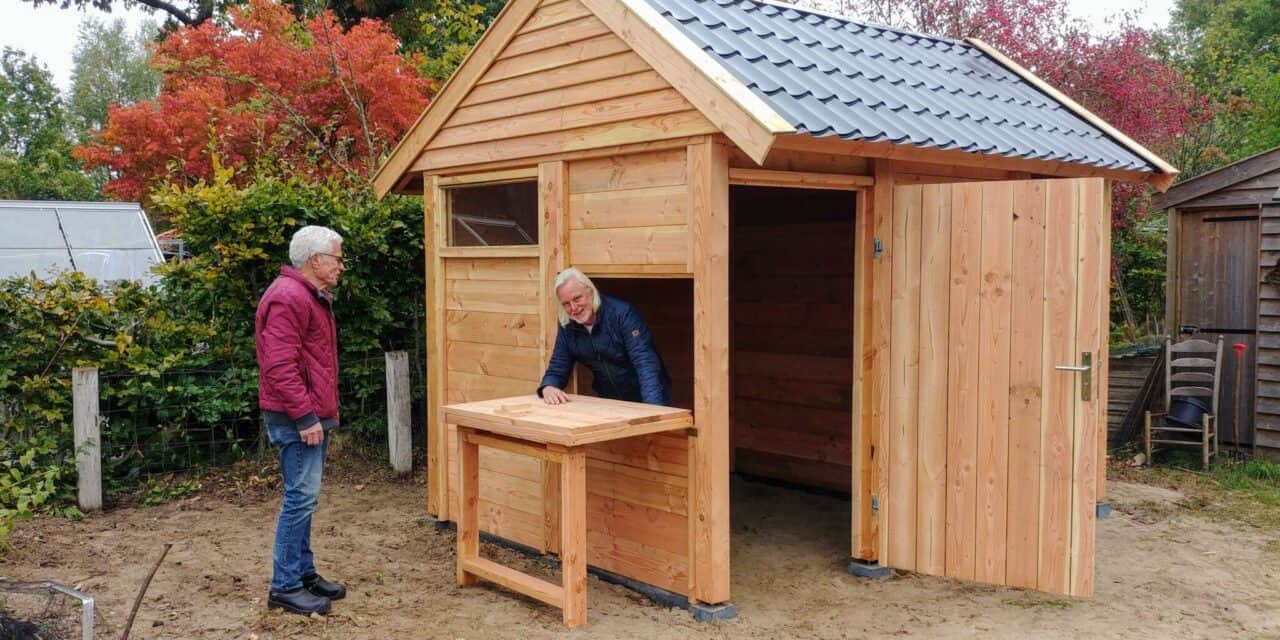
[(1192, 368)]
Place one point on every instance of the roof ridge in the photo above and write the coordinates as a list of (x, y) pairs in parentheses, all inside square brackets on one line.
[(874, 25)]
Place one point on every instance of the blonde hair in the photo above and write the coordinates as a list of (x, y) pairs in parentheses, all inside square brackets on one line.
[(572, 273)]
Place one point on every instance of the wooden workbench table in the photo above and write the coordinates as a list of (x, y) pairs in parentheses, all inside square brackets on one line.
[(528, 426)]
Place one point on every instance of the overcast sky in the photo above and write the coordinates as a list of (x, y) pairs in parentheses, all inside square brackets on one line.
[(50, 32)]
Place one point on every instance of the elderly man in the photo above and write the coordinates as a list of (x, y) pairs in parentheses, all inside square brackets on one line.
[(297, 344), (609, 336)]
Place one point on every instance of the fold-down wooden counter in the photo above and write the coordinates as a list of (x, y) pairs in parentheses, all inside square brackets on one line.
[(528, 426)]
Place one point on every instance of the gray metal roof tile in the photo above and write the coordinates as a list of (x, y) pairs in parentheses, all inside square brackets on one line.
[(829, 76)]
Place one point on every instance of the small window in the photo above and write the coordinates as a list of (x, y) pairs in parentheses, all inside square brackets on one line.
[(493, 215)]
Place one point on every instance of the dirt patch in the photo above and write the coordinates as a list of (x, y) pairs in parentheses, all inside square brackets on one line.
[(1179, 575)]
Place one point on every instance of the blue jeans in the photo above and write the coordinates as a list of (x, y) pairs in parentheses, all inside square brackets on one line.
[(302, 466)]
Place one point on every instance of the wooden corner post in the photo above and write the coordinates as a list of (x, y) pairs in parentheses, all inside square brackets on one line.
[(709, 511), (433, 211), (553, 241)]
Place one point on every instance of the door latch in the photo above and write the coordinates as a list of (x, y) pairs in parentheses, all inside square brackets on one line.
[(1086, 368)]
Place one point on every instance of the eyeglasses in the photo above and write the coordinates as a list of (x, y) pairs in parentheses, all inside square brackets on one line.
[(341, 260)]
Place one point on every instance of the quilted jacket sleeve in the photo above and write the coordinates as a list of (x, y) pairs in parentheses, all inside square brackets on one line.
[(561, 366), (644, 357)]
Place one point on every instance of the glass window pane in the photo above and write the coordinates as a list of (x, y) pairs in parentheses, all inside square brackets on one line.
[(131, 264), (46, 263), (107, 228), (494, 215), (29, 227)]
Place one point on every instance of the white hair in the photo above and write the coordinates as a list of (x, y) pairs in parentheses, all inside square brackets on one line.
[(309, 241), (572, 273)]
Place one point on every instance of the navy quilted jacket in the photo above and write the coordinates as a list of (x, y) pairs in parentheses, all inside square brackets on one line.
[(619, 351)]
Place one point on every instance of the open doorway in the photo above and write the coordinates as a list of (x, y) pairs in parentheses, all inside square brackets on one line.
[(791, 359)]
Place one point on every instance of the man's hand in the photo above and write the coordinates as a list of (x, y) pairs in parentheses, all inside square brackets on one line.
[(552, 395), (312, 435)]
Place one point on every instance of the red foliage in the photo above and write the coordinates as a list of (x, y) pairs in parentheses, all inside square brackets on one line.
[(272, 93), (1116, 76)]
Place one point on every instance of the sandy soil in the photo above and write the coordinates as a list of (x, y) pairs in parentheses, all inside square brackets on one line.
[(1163, 572)]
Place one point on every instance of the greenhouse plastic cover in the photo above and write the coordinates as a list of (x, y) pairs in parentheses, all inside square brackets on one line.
[(104, 240)]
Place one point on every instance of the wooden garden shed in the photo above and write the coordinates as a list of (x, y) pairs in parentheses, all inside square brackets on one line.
[(1224, 278), (862, 252)]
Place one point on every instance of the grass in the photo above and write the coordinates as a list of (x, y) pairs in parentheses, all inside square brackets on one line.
[(1247, 492)]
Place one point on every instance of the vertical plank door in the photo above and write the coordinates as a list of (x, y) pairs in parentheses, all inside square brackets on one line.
[(993, 446)]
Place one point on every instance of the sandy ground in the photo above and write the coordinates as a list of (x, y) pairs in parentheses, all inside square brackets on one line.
[(1163, 572)]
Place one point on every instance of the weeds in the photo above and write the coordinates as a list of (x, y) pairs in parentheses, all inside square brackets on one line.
[(1247, 492)]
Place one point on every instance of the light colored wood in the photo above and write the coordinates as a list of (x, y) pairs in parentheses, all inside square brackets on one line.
[(581, 50), (799, 179), (935, 301), (635, 270), (512, 445), (520, 363), (530, 251), (625, 172), (904, 378), (433, 202), (468, 516), (709, 177), (1060, 391), (1026, 376), (563, 78), (490, 177), (863, 541), (399, 397), (603, 111), (496, 296), (88, 438), (500, 32), (1167, 170), (909, 153), (730, 105), (993, 386), (491, 269), (515, 330), (573, 536), (880, 343), (962, 392), (624, 483), (583, 420), (509, 578), (630, 246), (530, 40), (470, 387), (1089, 336), (594, 153), (549, 146), (555, 13), (632, 84), (645, 207), (553, 204)]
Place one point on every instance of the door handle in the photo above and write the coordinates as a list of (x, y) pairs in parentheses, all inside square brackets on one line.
[(1086, 381)]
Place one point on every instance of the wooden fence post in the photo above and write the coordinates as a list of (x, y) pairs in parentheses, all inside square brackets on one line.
[(399, 395), (88, 443)]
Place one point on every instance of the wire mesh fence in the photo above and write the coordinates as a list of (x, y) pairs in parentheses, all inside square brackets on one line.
[(45, 611)]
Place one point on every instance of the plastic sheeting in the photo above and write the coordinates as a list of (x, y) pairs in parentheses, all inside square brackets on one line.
[(104, 240)]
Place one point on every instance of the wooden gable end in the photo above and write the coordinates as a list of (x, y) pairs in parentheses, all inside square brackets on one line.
[(563, 82)]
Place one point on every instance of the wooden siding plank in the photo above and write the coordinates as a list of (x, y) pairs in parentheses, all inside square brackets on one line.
[(994, 336), (550, 14), (491, 269), (492, 360), (566, 77), (1026, 378), (437, 451), (1060, 390), (555, 57), (513, 330), (664, 168), (647, 207), (964, 369), (578, 94), (636, 245), (935, 301), (640, 130), (904, 378), (491, 295), (878, 362), (1093, 216), (530, 40), (554, 247)]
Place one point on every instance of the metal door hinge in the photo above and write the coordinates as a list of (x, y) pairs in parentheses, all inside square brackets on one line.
[(875, 503), (692, 432), (879, 248)]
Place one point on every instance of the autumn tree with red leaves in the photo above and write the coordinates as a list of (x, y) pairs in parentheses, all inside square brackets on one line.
[(269, 93)]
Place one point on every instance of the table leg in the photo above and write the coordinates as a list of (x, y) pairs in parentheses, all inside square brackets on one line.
[(573, 535), (468, 499)]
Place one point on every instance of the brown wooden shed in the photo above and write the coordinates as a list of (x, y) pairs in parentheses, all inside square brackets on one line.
[(862, 253), (1224, 278)]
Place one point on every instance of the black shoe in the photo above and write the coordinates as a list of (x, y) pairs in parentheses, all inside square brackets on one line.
[(321, 587), (298, 601)]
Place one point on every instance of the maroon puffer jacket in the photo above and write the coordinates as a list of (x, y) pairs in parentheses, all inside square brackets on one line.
[(297, 343)]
